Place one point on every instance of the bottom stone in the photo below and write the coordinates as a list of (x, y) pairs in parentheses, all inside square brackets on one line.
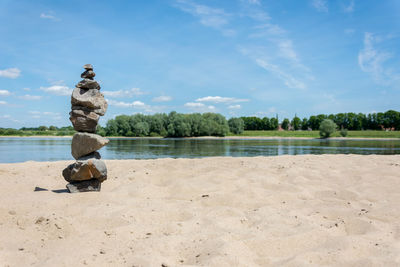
[(84, 186)]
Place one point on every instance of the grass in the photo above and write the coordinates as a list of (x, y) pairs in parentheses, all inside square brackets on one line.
[(315, 134)]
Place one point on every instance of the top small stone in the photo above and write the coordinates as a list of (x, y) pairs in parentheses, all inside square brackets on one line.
[(88, 67)]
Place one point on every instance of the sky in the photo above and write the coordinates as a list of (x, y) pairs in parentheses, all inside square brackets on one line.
[(234, 57)]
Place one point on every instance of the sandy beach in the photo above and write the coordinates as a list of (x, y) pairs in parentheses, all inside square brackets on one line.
[(309, 210)]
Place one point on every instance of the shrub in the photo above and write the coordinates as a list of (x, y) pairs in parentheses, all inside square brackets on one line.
[(343, 132), (236, 125), (327, 128)]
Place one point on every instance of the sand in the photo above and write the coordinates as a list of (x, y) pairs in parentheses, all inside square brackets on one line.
[(309, 210)]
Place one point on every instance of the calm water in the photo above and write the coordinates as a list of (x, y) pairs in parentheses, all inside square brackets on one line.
[(50, 149)]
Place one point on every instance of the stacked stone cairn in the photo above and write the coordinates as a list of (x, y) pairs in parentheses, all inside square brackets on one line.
[(88, 104)]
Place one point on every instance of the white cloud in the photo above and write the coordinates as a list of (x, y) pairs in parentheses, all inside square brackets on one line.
[(26, 89), (124, 93), (267, 29), (4, 93), (11, 73), (211, 17), (48, 16), (194, 105), (234, 107), (219, 99), (47, 114), (200, 107), (350, 7), (61, 90), (288, 79), (163, 98), (286, 50), (3, 102), (320, 5), (5, 116), (31, 97), (121, 104), (371, 60)]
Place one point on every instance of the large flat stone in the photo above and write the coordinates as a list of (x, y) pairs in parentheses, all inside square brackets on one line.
[(83, 170), (84, 121), (84, 186), (85, 143), (88, 84), (89, 98), (100, 111)]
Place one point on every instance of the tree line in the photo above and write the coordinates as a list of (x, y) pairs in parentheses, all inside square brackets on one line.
[(212, 124), (172, 125), (350, 121)]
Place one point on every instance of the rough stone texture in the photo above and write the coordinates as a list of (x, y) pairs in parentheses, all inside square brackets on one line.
[(84, 186), (84, 121), (94, 155), (88, 84), (89, 98), (100, 111), (83, 170), (88, 74), (88, 67), (86, 143)]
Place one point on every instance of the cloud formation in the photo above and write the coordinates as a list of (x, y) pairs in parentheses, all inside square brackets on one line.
[(163, 98), (48, 16), (124, 93), (234, 107), (31, 97), (60, 90), (372, 60), (11, 73), (219, 99), (208, 16), (200, 107), (320, 5), (4, 93)]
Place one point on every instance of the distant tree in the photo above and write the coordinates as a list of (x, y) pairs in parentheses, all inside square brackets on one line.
[(53, 128), (304, 124), (327, 128), (111, 128), (141, 129), (236, 125), (296, 123), (266, 123), (285, 124), (43, 128), (274, 123), (178, 126)]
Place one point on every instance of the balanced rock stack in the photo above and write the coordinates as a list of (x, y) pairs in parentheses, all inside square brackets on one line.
[(88, 104)]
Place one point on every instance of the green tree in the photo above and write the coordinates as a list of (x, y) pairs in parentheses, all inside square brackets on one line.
[(296, 123), (236, 125), (304, 124), (327, 128), (274, 123), (285, 124)]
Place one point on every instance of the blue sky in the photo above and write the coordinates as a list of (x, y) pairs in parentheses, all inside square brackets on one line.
[(236, 57)]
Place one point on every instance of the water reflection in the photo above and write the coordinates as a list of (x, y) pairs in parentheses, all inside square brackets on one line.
[(50, 149)]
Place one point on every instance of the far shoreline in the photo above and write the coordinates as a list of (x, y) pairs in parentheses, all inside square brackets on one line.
[(216, 137)]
